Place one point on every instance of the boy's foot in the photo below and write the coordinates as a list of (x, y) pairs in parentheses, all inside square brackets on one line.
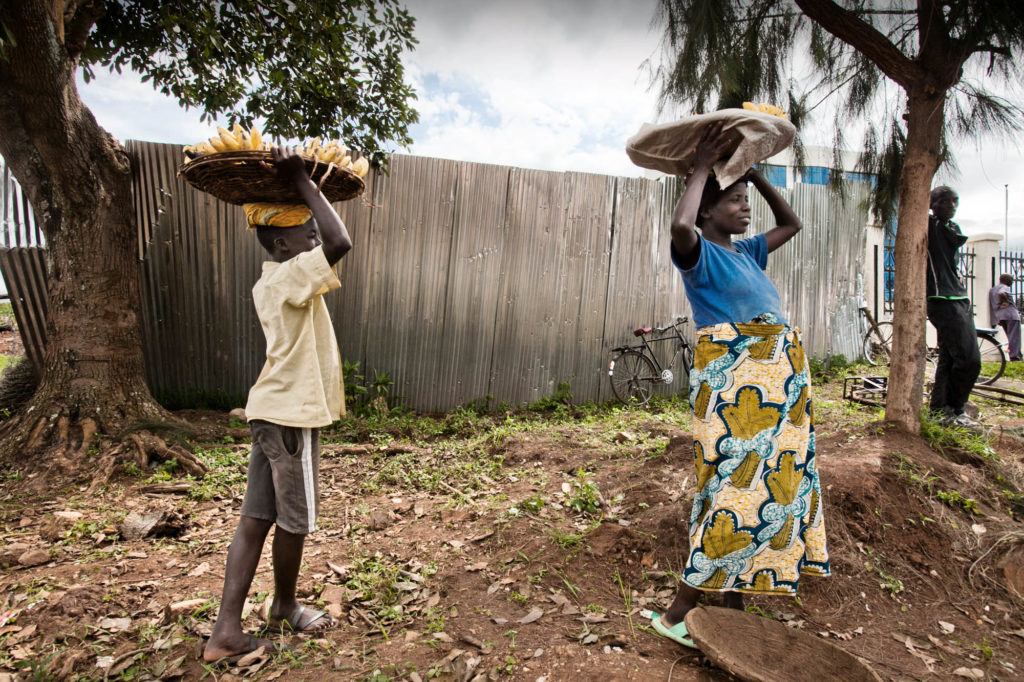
[(224, 656), (303, 620)]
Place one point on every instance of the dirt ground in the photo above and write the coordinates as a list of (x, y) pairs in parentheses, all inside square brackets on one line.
[(10, 343), (526, 545)]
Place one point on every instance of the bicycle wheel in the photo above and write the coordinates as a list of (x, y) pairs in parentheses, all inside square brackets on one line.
[(633, 377), (993, 360), (878, 344), (687, 366)]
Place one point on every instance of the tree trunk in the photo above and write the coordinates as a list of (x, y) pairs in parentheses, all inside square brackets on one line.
[(78, 179), (906, 377)]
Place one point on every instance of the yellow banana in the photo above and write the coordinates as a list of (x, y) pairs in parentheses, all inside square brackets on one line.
[(205, 147), (229, 140), (345, 161), (361, 167), (218, 144), (255, 138)]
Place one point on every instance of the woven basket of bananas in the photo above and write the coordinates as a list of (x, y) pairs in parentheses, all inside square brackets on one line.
[(244, 176), (236, 166)]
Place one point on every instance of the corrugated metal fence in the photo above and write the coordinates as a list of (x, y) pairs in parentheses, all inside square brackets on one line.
[(23, 264), (466, 279)]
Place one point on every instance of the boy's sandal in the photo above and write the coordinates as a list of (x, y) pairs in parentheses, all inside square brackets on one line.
[(303, 620), (677, 633), (255, 644)]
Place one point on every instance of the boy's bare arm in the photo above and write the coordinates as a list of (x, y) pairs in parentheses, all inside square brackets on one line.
[(786, 221), (333, 234)]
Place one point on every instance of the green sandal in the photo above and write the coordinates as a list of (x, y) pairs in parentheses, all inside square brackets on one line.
[(677, 633)]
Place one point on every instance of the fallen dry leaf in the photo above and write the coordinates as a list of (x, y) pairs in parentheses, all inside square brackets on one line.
[(199, 570), (534, 614)]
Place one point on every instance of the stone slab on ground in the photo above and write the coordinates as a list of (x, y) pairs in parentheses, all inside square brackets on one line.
[(757, 649)]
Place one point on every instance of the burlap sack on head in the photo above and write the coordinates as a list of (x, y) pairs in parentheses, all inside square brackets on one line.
[(669, 147)]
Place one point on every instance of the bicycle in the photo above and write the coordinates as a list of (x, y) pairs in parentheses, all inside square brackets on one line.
[(878, 350), (878, 339), (635, 370), (993, 358)]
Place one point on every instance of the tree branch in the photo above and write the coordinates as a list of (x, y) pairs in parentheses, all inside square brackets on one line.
[(863, 37), (81, 22)]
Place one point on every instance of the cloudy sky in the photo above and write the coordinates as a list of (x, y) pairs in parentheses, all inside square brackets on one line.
[(549, 85)]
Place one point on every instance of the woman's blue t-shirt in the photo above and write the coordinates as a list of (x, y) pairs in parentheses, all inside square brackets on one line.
[(730, 286)]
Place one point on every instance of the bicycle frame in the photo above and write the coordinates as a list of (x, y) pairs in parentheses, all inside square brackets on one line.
[(645, 344)]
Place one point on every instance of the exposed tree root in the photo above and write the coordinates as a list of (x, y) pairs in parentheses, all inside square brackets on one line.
[(84, 448)]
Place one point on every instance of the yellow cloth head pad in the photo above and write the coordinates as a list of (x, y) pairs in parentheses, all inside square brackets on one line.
[(276, 215)]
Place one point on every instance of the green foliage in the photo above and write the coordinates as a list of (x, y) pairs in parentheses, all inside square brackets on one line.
[(584, 496), (362, 400), (332, 69), (832, 368), (374, 581), (718, 54), (953, 498), (1014, 370), (226, 474), (942, 436), (559, 400), (890, 583)]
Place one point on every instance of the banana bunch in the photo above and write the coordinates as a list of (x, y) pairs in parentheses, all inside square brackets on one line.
[(241, 139), (765, 109), (336, 153), (227, 141)]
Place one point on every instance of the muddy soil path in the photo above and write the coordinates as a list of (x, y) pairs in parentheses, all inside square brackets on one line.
[(522, 546)]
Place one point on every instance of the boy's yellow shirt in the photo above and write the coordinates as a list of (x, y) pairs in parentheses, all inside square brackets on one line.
[(301, 382)]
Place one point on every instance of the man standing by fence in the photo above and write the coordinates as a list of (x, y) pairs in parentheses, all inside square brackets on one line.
[(1003, 312), (949, 310)]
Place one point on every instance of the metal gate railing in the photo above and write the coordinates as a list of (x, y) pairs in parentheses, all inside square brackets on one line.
[(1012, 263)]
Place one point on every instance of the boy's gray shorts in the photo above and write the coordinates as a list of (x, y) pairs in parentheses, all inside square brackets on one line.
[(283, 483)]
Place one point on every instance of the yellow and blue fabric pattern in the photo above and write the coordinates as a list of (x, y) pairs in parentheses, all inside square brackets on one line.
[(757, 520), (275, 215)]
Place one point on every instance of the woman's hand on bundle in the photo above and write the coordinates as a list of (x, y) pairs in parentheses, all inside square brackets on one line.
[(710, 147)]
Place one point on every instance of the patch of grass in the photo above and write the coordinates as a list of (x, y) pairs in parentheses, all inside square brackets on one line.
[(449, 465), (225, 477), (584, 497), (1014, 370), (941, 436), (559, 400), (534, 503), (910, 471), (374, 581), (953, 498), (889, 583)]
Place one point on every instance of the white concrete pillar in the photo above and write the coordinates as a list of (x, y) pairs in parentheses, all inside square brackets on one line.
[(986, 272), (874, 270)]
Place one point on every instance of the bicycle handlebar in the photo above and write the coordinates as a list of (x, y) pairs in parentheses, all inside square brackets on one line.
[(682, 319)]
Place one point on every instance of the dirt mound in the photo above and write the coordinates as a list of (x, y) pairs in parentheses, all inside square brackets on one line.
[(518, 550)]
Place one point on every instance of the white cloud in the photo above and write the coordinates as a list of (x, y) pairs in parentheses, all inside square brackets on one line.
[(548, 85)]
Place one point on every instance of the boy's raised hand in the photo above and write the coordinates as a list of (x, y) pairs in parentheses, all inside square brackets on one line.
[(289, 164)]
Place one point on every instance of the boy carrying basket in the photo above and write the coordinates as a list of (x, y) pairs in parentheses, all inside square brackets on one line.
[(298, 391)]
